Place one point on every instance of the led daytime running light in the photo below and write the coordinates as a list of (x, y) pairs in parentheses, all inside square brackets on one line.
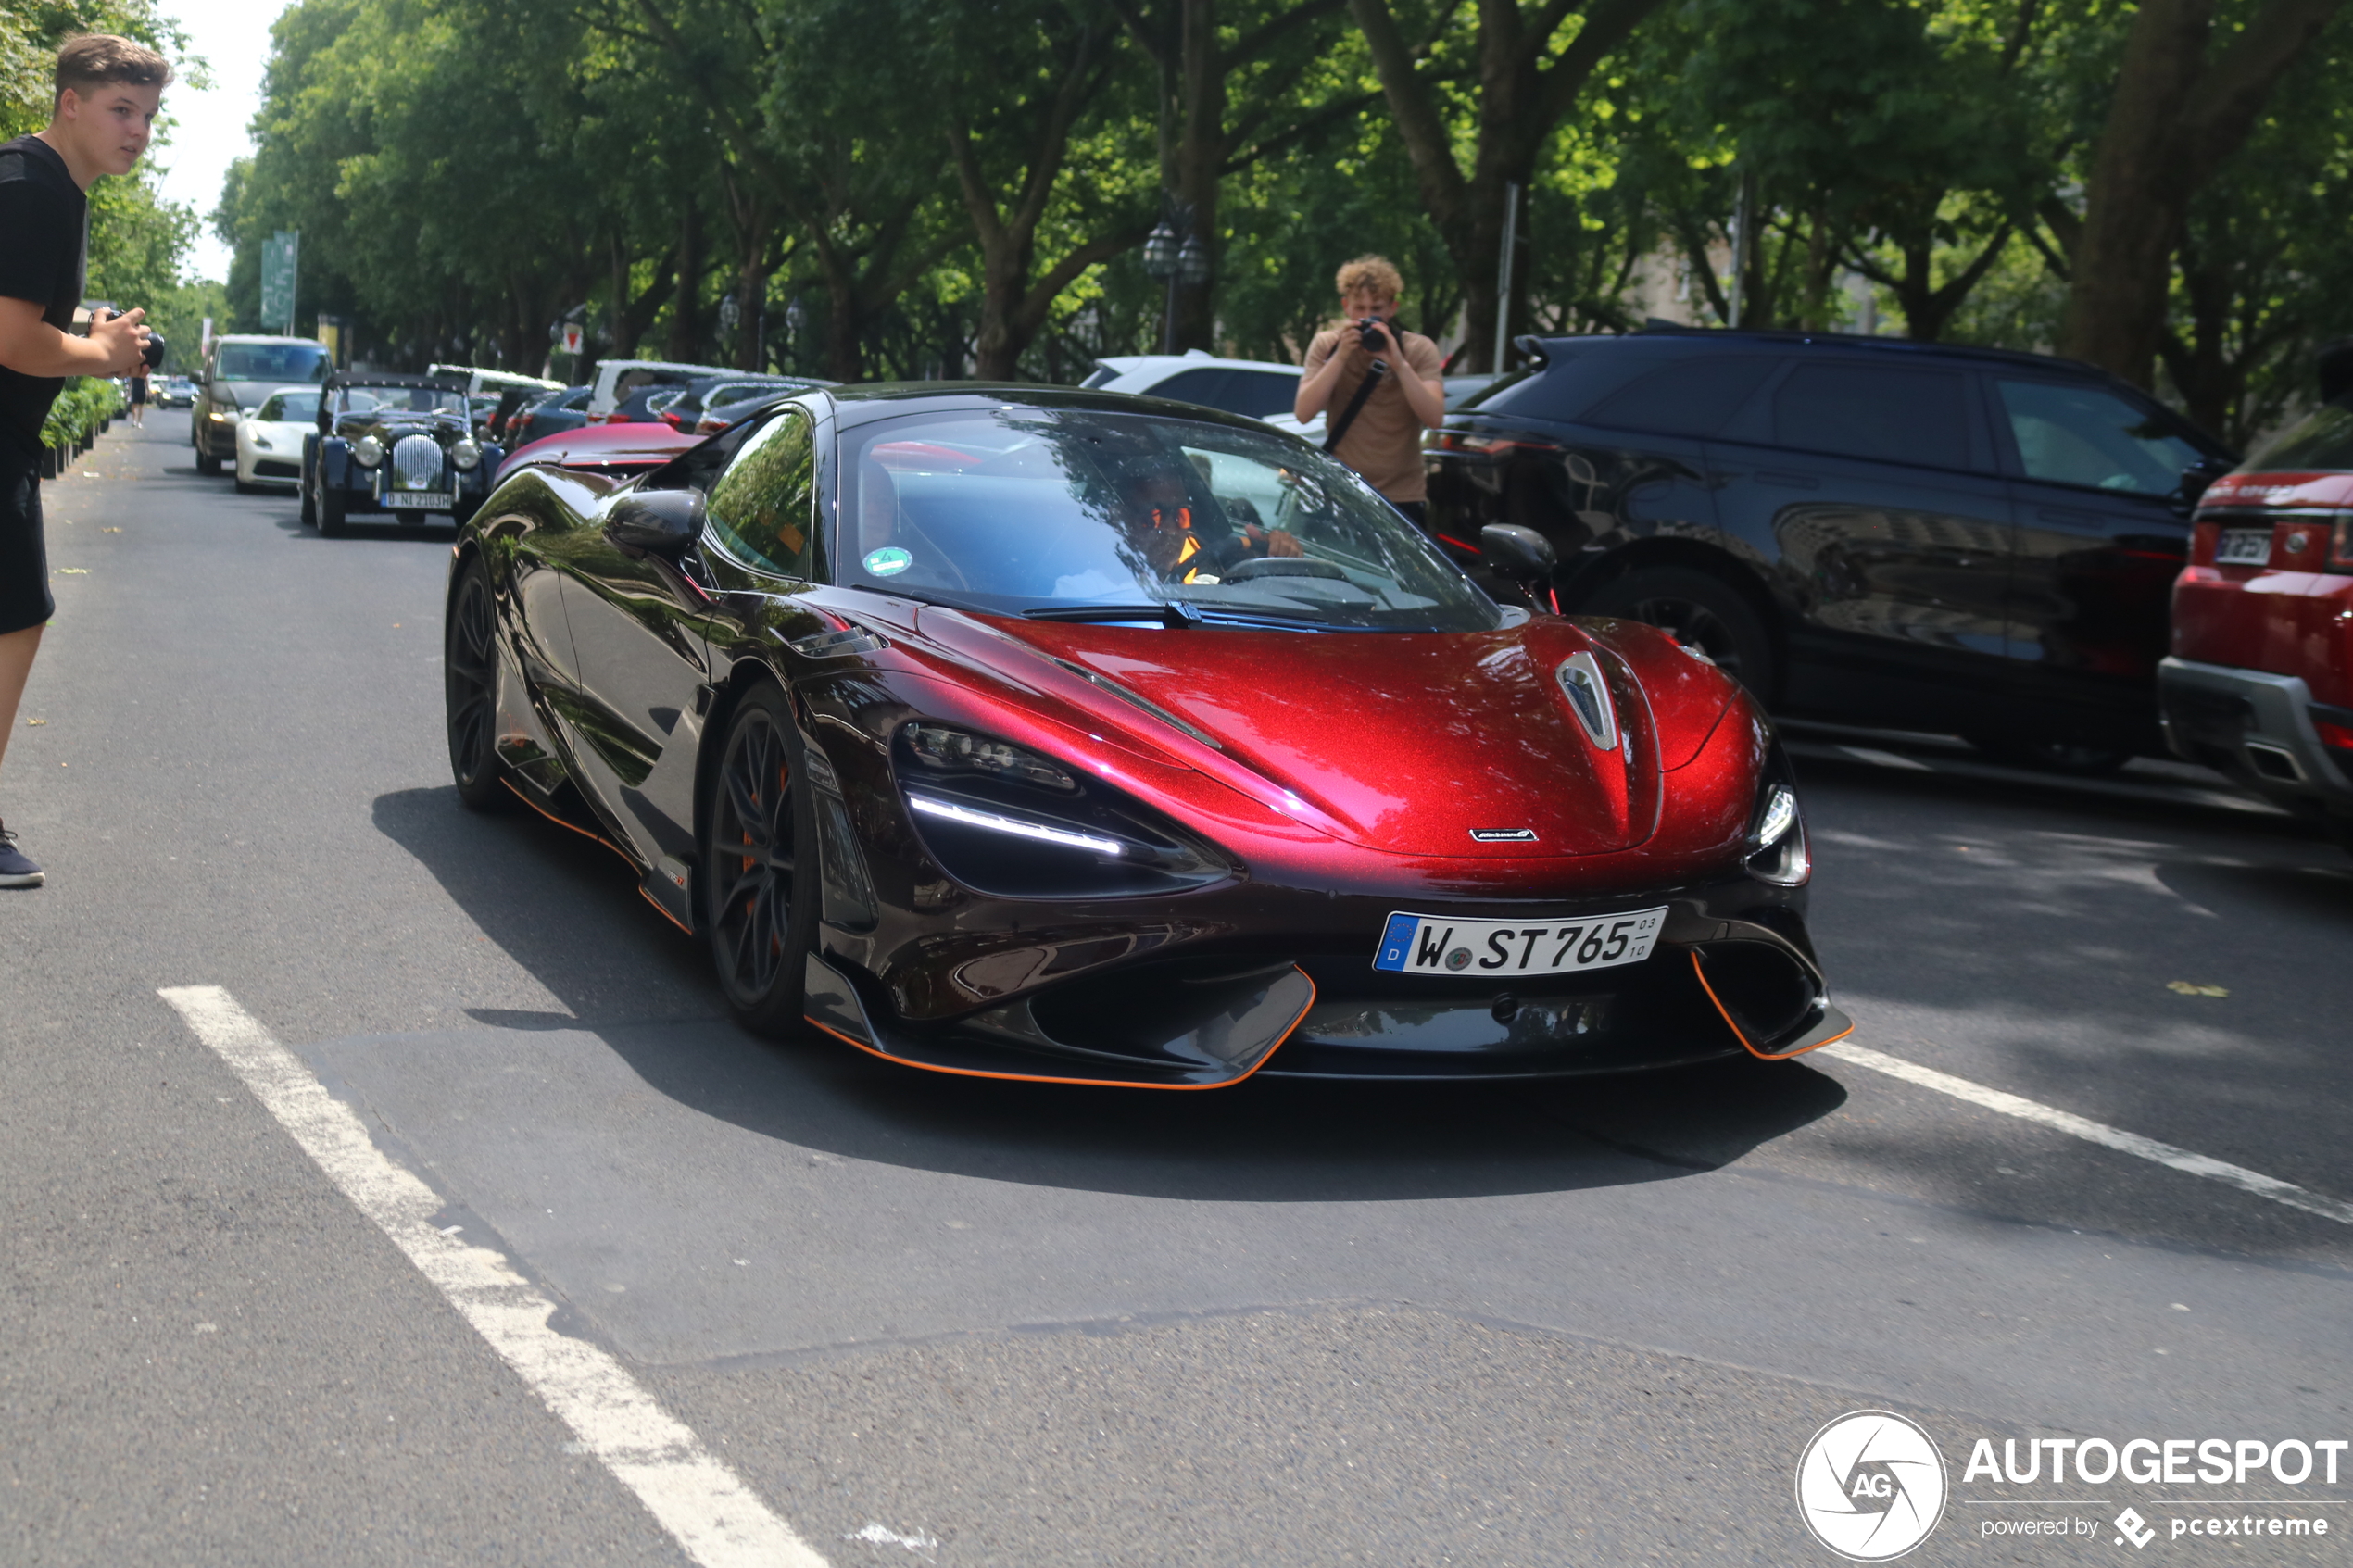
[(1038, 832), (1780, 815)]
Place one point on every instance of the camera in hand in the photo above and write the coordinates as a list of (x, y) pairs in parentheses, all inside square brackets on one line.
[(1368, 334), (155, 351)]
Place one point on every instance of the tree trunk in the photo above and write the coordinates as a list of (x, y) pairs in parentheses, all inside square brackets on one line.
[(1201, 154), (685, 314), (1525, 87), (2175, 116)]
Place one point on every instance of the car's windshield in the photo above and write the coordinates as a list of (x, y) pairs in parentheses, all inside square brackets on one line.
[(289, 406), (399, 400), (272, 362), (2322, 439), (1075, 514)]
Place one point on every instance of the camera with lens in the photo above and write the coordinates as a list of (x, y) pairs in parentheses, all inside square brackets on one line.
[(155, 351), (1368, 334)]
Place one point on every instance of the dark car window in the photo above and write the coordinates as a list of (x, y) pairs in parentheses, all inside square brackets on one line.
[(1260, 394), (1204, 388), (2075, 434), (1890, 414), (762, 507), (1689, 397), (2322, 439), (271, 361)]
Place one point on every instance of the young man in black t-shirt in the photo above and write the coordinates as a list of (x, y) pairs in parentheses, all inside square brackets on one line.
[(107, 90)]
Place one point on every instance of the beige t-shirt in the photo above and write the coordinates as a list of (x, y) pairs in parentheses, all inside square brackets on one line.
[(1384, 442)]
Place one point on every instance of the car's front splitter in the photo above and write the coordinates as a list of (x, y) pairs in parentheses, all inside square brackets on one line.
[(1712, 988)]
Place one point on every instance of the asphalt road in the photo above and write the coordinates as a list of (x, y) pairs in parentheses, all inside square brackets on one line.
[(942, 1321)]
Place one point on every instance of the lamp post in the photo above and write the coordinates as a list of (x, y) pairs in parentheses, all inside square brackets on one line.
[(1173, 251)]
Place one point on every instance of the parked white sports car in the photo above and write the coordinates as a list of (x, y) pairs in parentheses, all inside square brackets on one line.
[(270, 439)]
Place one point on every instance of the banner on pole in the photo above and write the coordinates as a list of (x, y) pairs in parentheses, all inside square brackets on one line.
[(278, 261)]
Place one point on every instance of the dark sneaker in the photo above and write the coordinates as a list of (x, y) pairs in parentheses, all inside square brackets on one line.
[(15, 870)]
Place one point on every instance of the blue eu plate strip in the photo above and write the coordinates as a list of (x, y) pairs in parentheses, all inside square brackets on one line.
[(1396, 942)]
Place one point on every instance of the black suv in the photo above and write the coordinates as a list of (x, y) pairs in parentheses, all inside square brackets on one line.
[(1866, 529)]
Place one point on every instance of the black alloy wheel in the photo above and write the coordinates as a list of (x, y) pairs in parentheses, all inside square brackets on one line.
[(470, 687), (206, 464), (1699, 612), (309, 507), (759, 873), (330, 512), (2053, 756)]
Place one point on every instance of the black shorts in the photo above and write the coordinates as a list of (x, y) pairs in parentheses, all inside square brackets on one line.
[(24, 559)]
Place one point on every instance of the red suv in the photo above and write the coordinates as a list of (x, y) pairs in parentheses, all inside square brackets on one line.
[(2260, 680)]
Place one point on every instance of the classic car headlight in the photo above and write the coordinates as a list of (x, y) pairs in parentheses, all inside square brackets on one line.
[(369, 450), (1776, 851), (465, 454), (1002, 820)]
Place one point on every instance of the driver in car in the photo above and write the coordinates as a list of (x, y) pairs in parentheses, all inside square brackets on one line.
[(1156, 510)]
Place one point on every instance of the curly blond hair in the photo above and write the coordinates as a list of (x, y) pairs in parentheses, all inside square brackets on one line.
[(1370, 272)]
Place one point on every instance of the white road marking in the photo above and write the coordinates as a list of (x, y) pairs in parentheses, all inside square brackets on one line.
[(1885, 758), (2099, 1133), (699, 1500)]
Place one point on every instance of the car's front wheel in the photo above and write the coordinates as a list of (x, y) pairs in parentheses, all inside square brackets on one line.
[(331, 511), (1699, 612), (759, 873), (470, 685), (206, 464)]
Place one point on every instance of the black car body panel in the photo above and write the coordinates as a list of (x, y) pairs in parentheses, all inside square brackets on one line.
[(1933, 537)]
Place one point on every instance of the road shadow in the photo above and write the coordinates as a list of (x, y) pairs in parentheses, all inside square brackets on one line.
[(567, 910)]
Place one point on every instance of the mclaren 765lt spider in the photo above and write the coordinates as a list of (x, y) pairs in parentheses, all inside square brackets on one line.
[(1071, 737)]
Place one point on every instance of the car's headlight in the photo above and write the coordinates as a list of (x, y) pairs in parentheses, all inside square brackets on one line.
[(1003, 819), (465, 454), (219, 418), (1776, 851), (263, 442), (369, 450)]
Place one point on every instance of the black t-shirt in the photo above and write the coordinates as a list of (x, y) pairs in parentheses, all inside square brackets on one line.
[(44, 234)]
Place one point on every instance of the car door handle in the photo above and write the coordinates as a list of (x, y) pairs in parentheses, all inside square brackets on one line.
[(1788, 480)]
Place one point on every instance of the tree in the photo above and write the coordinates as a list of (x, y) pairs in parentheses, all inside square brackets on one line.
[(1204, 62), (2184, 101), (1527, 82)]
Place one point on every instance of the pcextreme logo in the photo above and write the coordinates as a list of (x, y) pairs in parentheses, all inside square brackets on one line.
[(1870, 1486)]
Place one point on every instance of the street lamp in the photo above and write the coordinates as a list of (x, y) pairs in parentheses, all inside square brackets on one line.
[(1175, 253)]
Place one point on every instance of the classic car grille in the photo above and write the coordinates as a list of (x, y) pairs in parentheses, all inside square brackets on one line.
[(416, 463)]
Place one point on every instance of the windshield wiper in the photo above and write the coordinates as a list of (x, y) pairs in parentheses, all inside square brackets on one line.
[(1177, 615)]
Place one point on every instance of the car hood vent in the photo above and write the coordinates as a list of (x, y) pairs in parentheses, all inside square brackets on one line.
[(1580, 680)]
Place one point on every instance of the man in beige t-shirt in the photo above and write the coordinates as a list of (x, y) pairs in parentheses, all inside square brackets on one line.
[(1384, 441)]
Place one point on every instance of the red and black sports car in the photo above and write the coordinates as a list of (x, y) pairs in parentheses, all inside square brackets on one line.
[(1071, 737)]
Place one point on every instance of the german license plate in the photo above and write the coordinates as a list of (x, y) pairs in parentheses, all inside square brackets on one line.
[(2244, 546), (417, 500), (1472, 949)]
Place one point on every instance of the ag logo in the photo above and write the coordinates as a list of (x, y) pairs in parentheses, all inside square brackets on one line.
[(1870, 1486)]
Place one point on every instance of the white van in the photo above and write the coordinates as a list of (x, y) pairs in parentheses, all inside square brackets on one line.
[(606, 393)]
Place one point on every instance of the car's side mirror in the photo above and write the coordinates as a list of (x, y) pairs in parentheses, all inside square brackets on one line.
[(656, 522), (1517, 552), (2199, 476)]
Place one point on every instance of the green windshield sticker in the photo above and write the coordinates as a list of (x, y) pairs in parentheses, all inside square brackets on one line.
[(889, 561)]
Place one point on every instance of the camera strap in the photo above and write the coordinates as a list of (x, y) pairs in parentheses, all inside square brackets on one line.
[(1355, 404)]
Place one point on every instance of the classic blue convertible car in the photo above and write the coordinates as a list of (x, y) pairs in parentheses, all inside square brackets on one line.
[(395, 443)]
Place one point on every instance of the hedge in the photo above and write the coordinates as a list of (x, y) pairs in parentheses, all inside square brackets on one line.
[(83, 404)]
